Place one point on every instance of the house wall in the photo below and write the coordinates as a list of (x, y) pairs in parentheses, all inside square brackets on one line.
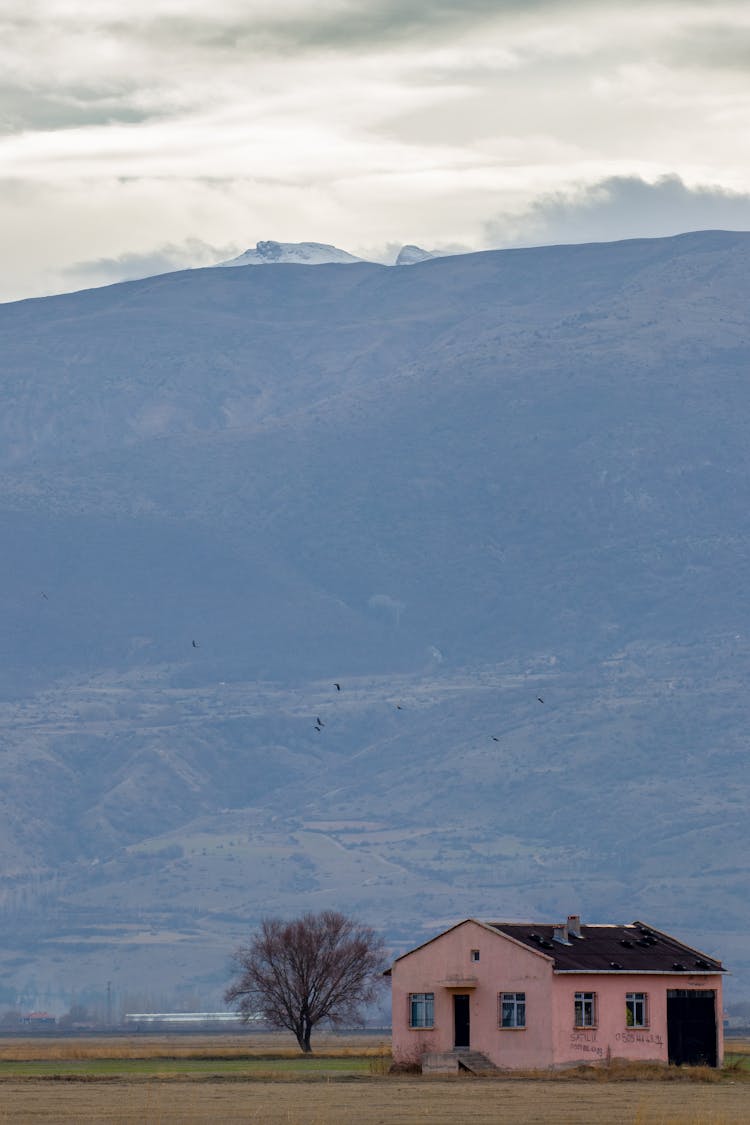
[(504, 966), (612, 1038)]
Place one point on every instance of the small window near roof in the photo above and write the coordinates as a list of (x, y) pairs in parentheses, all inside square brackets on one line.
[(475, 954)]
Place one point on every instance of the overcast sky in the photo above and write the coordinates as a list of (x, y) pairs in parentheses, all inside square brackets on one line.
[(141, 136)]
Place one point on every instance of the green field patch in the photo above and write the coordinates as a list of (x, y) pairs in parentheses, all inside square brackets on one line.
[(737, 1062), (101, 1068)]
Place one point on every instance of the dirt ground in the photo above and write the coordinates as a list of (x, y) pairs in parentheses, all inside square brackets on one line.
[(383, 1101)]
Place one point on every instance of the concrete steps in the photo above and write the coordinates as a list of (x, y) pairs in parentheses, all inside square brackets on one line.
[(451, 1062), (475, 1062)]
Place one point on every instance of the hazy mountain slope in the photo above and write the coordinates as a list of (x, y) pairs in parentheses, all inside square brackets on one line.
[(453, 488), (598, 457)]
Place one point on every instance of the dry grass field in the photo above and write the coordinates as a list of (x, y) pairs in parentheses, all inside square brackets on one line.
[(214, 1089), (276, 1045)]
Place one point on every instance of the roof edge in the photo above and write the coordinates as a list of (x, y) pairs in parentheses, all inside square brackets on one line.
[(662, 933), (485, 926), (442, 933), (521, 944), (683, 973)]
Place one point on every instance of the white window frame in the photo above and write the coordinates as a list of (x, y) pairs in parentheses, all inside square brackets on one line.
[(586, 1002), (423, 1003), (634, 1001), (475, 954), (518, 1009)]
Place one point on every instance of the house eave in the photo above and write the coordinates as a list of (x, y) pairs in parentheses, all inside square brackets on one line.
[(641, 972)]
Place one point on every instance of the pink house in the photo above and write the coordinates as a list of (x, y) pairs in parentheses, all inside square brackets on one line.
[(483, 995)]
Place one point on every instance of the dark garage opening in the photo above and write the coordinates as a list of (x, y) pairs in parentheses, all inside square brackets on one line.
[(691, 1026)]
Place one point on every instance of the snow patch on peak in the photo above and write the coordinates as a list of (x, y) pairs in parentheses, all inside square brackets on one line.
[(410, 255), (272, 253)]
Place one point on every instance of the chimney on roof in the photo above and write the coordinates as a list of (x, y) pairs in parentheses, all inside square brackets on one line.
[(560, 933), (574, 925)]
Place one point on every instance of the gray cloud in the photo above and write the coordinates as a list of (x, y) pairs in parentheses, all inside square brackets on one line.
[(51, 109), (390, 20), (720, 46), (136, 59), (162, 259), (622, 207), (330, 26), (146, 53), (359, 22), (325, 25)]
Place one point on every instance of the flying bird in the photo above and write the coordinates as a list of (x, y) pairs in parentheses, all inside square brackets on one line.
[(495, 738), (319, 724), (337, 686), (45, 596), (539, 699), (196, 645)]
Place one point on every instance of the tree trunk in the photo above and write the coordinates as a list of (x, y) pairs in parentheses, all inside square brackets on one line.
[(302, 1034)]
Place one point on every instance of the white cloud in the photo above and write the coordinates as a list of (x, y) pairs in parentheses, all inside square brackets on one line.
[(358, 122)]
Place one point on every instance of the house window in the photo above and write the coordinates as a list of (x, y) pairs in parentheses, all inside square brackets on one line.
[(513, 1009), (585, 1009), (421, 1009), (475, 954), (636, 1010)]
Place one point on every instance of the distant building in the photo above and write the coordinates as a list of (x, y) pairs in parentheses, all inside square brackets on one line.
[(38, 1019), (517, 995), (233, 1019)]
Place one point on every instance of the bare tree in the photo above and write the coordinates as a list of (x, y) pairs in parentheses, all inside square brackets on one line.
[(318, 967)]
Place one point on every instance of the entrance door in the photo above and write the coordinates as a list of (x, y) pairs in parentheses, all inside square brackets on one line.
[(461, 1027), (691, 1026)]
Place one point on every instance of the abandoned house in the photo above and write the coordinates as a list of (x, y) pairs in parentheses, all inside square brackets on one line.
[(483, 995)]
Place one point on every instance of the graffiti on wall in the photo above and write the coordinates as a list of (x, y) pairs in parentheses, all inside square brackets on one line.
[(585, 1042), (640, 1037)]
